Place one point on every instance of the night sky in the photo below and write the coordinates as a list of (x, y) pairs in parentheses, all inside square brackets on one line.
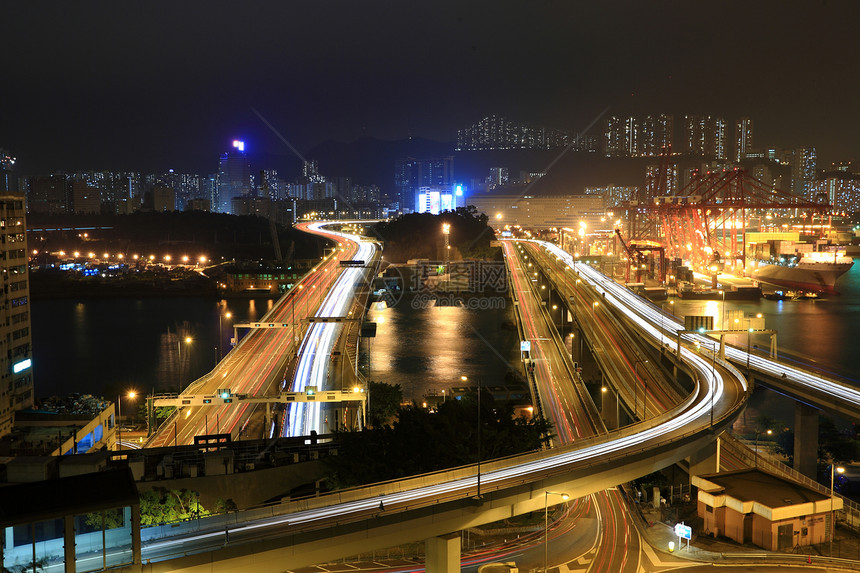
[(155, 85)]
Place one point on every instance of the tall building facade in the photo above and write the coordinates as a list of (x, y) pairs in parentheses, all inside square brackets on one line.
[(645, 136), (496, 132), (48, 194), (411, 174), (743, 138), (86, 198), (16, 366), (705, 136), (803, 174), (8, 182), (660, 180), (234, 177)]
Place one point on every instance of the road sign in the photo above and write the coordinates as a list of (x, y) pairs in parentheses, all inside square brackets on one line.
[(698, 322), (683, 531), (525, 346)]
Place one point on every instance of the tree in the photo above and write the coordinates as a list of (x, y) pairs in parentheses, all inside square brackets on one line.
[(385, 399), (421, 441), (224, 505), (113, 518), (160, 505), (763, 423), (834, 445), (161, 412)]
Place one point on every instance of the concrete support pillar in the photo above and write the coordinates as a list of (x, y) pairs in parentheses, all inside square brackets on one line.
[(68, 543), (443, 553), (805, 439), (609, 407), (706, 460), (135, 534)]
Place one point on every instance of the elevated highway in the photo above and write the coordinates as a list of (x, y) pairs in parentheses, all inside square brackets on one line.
[(343, 523), (262, 359), (800, 383), (812, 391)]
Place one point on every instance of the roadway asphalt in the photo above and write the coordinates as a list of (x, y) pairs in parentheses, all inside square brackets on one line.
[(258, 364), (688, 422), (617, 545)]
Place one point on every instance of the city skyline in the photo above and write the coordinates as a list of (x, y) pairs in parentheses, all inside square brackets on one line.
[(159, 86)]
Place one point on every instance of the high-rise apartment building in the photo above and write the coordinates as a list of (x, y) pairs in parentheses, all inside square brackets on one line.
[(273, 184), (48, 194), (16, 367), (705, 136), (743, 138), (234, 176), (411, 173), (654, 135), (8, 181), (496, 132), (365, 194), (803, 174), (645, 136), (618, 136), (209, 190), (660, 180), (499, 177), (86, 198)]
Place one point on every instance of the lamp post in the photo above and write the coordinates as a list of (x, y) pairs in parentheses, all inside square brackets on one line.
[(293, 311), (546, 495), (833, 470), (713, 375), (228, 316), (644, 393), (179, 358), (466, 379), (446, 230), (131, 396)]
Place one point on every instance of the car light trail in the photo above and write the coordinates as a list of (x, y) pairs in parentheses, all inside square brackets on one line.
[(315, 351), (688, 418)]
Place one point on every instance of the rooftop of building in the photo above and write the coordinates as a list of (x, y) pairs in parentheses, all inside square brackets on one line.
[(750, 484)]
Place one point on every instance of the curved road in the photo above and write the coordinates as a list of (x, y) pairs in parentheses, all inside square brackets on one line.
[(258, 364)]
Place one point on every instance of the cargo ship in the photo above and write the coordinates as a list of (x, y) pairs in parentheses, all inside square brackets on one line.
[(808, 272)]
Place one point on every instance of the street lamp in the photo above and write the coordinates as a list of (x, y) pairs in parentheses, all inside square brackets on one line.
[(228, 316), (645, 391), (466, 379), (723, 310), (179, 358), (131, 396), (769, 432), (546, 495), (713, 375), (446, 230), (293, 310), (833, 470)]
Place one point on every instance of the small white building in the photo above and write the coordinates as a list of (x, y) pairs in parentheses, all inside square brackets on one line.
[(751, 506)]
